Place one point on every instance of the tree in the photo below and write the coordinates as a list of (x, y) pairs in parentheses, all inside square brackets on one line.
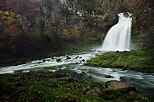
[(3, 5), (6, 19)]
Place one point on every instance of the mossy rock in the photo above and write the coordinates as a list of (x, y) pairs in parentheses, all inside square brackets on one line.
[(46, 86), (137, 60)]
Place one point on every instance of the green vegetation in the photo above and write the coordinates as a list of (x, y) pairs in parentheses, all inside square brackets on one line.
[(58, 87), (138, 60), (45, 86)]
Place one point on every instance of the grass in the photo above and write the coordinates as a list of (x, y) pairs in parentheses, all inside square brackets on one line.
[(137, 60), (59, 86), (45, 87)]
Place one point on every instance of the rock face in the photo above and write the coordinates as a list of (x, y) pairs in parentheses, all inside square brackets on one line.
[(116, 85)]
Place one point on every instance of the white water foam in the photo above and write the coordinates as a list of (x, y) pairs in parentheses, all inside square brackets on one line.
[(118, 37), (49, 62)]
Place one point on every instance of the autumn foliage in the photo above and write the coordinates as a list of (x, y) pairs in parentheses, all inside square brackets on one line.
[(29, 27)]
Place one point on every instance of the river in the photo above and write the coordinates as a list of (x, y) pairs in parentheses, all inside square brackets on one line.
[(144, 82)]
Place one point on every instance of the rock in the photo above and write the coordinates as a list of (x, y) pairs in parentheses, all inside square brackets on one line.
[(83, 60), (67, 57), (94, 91), (109, 76), (96, 54), (83, 72), (117, 85), (118, 90), (44, 60), (132, 93), (58, 60), (48, 60), (76, 57)]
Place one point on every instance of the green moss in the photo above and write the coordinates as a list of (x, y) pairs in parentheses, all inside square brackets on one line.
[(138, 60), (6, 87), (143, 98), (46, 87), (57, 87), (41, 93)]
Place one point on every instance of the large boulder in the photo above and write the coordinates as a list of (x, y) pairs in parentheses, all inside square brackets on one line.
[(110, 87), (118, 85)]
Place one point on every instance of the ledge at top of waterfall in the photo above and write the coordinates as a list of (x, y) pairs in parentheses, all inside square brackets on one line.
[(118, 37)]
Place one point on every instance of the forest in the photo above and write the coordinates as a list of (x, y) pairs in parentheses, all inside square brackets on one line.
[(32, 27)]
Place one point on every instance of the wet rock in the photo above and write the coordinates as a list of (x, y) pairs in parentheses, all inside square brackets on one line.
[(83, 60), (76, 57), (83, 72), (44, 60), (58, 60), (109, 76), (67, 57), (117, 85), (48, 60), (96, 54)]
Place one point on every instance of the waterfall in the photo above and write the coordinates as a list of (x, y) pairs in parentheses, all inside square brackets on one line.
[(118, 37)]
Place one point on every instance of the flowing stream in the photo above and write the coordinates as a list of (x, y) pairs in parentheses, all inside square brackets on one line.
[(144, 82)]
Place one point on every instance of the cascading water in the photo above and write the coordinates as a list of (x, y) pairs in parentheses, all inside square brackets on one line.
[(118, 37)]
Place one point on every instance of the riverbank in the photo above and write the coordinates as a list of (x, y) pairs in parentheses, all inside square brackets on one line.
[(136, 60), (61, 86), (67, 49)]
